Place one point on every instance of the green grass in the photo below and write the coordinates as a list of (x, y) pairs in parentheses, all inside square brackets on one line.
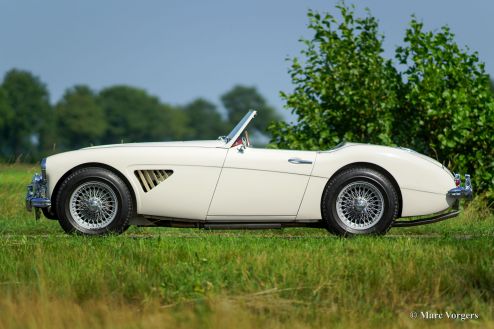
[(291, 278)]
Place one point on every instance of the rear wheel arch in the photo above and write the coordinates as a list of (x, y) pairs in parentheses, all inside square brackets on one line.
[(96, 165), (379, 169)]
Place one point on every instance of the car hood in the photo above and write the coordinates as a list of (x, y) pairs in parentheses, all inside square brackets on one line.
[(207, 143)]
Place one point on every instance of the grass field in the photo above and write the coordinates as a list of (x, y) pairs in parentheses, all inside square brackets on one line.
[(291, 278)]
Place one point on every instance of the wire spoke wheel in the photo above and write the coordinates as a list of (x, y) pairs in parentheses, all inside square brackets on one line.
[(93, 205), (360, 205)]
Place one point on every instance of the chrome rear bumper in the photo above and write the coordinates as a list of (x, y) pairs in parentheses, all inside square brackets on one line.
[(456, 194), (461, 191)]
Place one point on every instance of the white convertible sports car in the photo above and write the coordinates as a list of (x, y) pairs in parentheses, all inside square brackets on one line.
[(228, 184)]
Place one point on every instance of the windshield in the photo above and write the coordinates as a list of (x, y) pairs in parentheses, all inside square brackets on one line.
[(239, 126)]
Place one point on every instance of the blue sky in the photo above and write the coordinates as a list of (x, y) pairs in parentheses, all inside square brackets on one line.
[(180, 50)]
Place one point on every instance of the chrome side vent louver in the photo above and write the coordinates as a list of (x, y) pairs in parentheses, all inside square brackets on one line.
[(149, 179)]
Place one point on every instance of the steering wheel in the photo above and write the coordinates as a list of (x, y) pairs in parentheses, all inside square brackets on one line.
[(247, 139)]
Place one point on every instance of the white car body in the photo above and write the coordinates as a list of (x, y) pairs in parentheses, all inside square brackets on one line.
[(213, 181)]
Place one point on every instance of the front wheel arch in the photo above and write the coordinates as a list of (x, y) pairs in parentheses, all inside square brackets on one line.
[(97, 165), (377, 168)]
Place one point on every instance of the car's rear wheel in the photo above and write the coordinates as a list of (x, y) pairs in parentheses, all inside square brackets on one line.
[(359, 200), (94, 201)]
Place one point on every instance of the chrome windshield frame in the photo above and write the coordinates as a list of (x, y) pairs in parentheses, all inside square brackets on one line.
[(239, 128)]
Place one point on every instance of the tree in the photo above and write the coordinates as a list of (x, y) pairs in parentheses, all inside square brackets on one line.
[(28, 98), (204, 120), (6, 117), (80, 120), (343, 88), (133, 116), (240, 99), (448, 107), (441, 104)]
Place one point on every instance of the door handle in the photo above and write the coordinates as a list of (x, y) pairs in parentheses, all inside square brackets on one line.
[(299, 161)]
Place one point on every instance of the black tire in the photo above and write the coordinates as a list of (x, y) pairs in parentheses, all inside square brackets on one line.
[(49, 213), (114, 197), (343, 208)]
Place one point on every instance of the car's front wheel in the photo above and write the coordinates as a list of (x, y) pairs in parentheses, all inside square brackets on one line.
[(94, 201), (359, 200)]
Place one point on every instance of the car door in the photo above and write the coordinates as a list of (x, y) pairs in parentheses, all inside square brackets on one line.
[(261, 184)]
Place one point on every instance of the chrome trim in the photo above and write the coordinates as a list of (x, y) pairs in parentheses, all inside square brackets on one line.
[(462, 191), (224, 139), (468, 182), (36, 196), (93, 205), (150, 178), (43, 168), (406, 149), (299, 161), (240, 127), (360, 205)]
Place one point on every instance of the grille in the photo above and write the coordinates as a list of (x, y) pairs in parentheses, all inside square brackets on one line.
[(149, 179)]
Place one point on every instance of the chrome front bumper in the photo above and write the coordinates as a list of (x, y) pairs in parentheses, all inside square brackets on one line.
[(36, 196)]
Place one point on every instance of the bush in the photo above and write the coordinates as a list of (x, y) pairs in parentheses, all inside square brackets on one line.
[(439, 104), (448, 105)]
